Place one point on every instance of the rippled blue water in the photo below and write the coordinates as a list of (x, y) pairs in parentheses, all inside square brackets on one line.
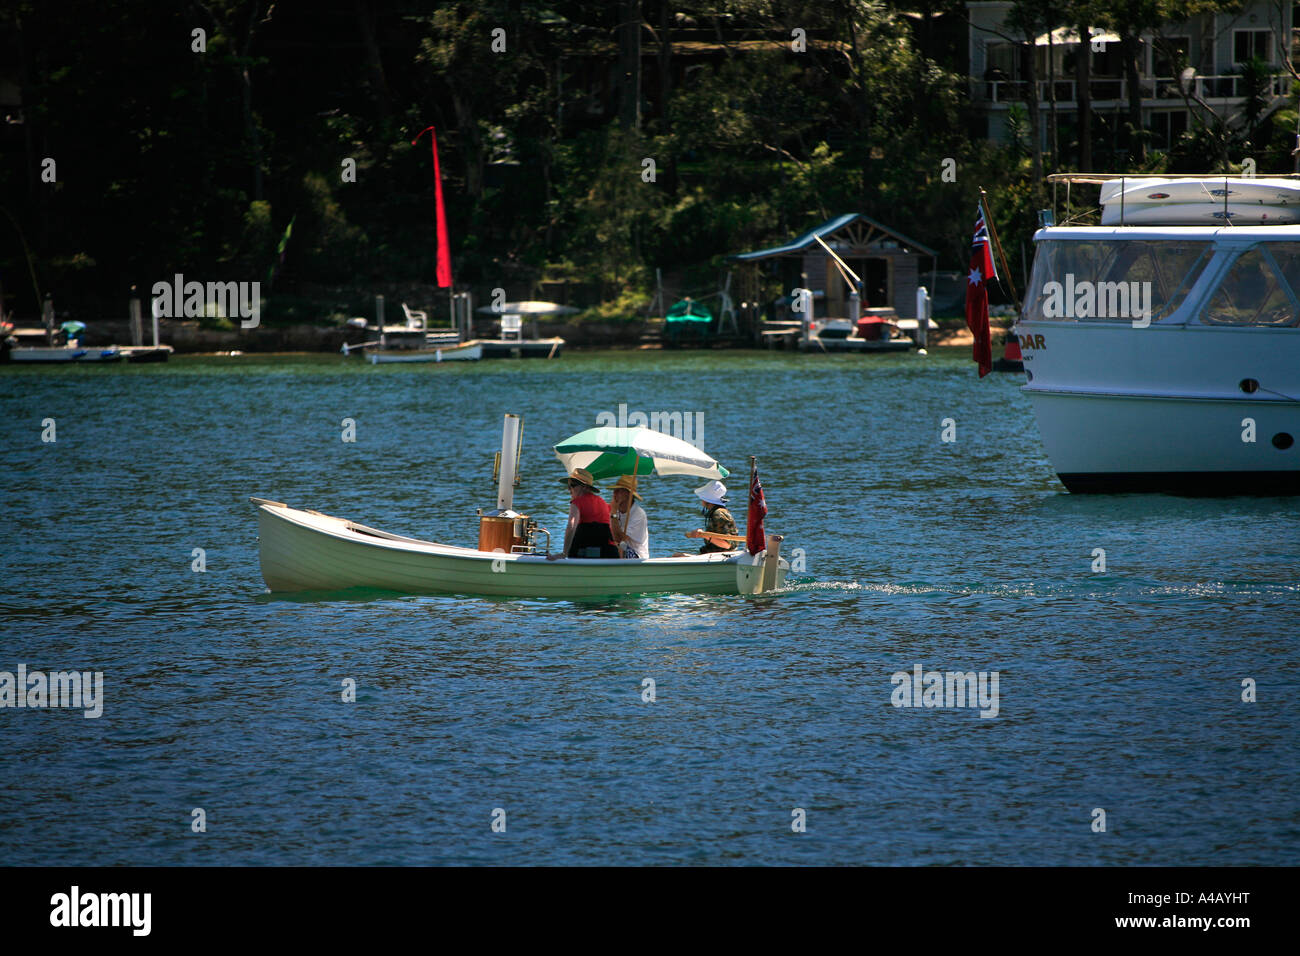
[(1118, 690)]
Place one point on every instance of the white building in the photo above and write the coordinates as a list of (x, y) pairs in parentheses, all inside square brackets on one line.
[(1214, 45)]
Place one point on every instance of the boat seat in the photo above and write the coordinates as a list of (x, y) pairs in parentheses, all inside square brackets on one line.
[(415, 320)]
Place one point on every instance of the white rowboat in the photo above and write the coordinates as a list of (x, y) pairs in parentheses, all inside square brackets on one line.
[(307, 550), (456, 353)]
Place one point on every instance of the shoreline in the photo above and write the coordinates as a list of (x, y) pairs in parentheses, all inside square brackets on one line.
[(187, 338)]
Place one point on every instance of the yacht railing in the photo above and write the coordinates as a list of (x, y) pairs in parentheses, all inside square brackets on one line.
[(1096, 179)]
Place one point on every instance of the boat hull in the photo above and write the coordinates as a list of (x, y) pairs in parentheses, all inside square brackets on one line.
[(1106, 443), (64, 354), (308, 551), (146, 353), (520, 348), (820, 344), (459, 353), (1163, 409)]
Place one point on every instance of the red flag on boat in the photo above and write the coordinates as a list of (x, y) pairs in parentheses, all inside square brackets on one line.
[(755, 539), (444, 250), (977, 293)]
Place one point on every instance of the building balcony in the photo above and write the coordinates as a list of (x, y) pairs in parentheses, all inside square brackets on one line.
[(1112, 92)]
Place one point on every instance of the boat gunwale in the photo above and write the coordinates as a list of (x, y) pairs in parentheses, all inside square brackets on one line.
[(357, 533)]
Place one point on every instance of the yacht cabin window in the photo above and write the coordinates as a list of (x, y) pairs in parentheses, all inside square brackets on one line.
[(1112, 280), (1262, 287)]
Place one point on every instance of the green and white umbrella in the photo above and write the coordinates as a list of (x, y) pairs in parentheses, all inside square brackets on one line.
[(610, 451)]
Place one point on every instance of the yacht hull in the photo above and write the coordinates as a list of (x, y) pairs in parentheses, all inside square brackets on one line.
[(1177, 409)]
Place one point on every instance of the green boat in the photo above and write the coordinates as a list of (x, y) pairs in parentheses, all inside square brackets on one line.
[(688, 321)]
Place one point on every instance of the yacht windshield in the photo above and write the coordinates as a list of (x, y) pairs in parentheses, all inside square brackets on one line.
[(1260, 289), (1112, 280)]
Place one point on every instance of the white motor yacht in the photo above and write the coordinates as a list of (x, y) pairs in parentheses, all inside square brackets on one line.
[(1166, 358)]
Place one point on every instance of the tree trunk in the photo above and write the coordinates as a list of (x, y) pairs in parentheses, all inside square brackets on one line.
[(251, 131), (665, 58), (1132, 48), (862, 106), (378, 83), (1083, 95), (1051, 98), (629, 59), (467, 123), (1032, 106)]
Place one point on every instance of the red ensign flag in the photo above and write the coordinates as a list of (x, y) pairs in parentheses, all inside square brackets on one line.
[(444, 250), (977, 294), (755, 539)]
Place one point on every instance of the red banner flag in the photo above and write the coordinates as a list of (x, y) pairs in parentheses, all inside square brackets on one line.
[(755, 539), (444, 250), (977, 294)]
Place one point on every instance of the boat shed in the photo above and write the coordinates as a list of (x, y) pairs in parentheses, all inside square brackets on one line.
[(888, 262)]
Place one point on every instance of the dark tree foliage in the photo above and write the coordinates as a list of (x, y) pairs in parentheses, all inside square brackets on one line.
[(588, 140)]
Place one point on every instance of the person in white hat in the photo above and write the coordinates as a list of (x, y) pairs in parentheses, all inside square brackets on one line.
[(717, 519), (628, 520)]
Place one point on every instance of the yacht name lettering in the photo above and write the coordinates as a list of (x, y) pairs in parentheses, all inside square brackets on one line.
[(1086, 299), (1032, 342), (36, 689)]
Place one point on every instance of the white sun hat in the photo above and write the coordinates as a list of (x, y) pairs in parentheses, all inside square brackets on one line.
[(715, 492)]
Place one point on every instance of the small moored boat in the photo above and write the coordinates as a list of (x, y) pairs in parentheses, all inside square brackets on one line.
[(455, 353)]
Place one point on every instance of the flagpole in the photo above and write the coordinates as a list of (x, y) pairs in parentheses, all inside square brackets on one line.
[(749, 498), (997, 244)]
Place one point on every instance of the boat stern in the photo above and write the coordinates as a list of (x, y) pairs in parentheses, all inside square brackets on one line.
[(750, 569)]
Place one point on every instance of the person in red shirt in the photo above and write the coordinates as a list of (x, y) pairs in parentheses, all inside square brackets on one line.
[(588, 534)]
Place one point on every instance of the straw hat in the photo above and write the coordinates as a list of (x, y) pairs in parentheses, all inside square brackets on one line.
[(582, 476), (628, 483), (715, 493)]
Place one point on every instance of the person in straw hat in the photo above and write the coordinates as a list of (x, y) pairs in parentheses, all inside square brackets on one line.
[(717, 519), (588, 534), (631, 531)]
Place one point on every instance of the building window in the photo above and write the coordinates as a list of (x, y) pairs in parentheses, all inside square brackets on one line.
[(1004, 58), (1170, 55), (1248, 44), (1167, 127)]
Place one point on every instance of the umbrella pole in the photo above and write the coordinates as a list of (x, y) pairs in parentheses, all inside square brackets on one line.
[(631, 499)]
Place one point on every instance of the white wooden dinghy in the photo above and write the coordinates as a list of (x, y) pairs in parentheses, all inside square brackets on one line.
[(307, 550), (469, 352)]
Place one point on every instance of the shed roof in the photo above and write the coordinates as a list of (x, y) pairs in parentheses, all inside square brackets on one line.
[(827, 228)]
